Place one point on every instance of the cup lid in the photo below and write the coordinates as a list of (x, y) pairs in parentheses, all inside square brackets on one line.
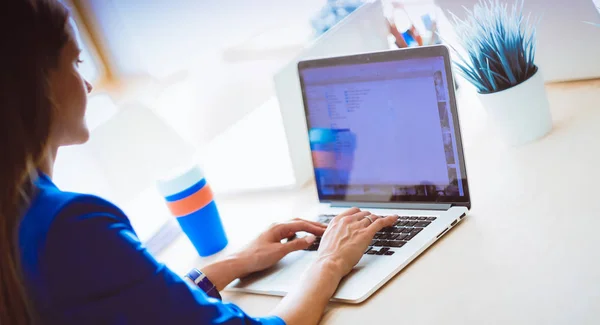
[(179, 181)]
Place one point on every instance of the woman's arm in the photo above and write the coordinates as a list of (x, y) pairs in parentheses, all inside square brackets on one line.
[(306, 303), (342, 246), (223, 272), (96, 270), (93, 269)]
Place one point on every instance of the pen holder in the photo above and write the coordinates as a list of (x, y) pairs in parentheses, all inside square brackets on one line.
[(190, 200)]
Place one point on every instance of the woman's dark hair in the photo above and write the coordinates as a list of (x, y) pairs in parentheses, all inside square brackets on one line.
[(33, 33)]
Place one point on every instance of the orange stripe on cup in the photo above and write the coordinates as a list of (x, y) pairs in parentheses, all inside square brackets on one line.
[(191, 203)]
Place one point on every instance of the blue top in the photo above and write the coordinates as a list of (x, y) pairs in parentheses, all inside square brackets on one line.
[(84, 264)]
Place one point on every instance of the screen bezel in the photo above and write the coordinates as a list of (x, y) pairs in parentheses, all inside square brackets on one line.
[(387, 56)]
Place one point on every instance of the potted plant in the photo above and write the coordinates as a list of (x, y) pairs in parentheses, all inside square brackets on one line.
[(498, 52)]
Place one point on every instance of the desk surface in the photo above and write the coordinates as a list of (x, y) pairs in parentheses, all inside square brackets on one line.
[(526, 254)]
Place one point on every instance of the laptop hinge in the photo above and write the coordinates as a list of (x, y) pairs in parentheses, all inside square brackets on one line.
[(393, 205)]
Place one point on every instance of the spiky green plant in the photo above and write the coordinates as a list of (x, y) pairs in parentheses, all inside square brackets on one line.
[(499, 43)]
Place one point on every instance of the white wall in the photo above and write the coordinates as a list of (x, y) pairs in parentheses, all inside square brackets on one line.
[(161, 37)]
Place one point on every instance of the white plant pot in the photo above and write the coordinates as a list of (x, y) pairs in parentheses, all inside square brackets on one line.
[(520, 114)]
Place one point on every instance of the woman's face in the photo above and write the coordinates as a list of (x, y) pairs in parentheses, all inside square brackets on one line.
[(69, 93)]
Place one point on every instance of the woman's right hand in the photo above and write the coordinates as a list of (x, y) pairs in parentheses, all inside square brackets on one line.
[(348, 237), (342, 245)]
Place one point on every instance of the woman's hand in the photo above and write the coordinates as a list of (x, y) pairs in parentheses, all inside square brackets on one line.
[(263, 252), (267, 249), (348, 237), (342, 246)]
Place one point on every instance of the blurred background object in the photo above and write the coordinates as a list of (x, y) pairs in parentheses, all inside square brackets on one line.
[(332, 13)]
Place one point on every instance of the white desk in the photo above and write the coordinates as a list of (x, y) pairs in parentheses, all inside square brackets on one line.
[(526, 254)]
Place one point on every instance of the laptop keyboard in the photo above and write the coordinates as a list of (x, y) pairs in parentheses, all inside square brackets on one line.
[(396, 236)]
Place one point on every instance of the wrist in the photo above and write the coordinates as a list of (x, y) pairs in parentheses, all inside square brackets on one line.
[(330, 267), (203, 282), (223, 272), (327, 270), (242, 263)]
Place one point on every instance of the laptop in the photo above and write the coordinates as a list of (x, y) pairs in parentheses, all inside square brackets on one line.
[(385, 137)]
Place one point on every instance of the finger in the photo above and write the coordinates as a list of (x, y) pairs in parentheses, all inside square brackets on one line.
[(380, 224), (368, 220), (316, 223), (287, 229), (292, 237), (298, 244), (359, 216), (346, 213)]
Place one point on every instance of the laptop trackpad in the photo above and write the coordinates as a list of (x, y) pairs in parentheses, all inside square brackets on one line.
[(294, 266), (277, 278), (282, 277)]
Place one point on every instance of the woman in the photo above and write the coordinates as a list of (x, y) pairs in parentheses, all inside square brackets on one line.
[(70, 258)]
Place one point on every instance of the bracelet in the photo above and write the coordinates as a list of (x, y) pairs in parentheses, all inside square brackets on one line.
[(203, 283)]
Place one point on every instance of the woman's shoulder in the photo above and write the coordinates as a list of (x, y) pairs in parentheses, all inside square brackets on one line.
[(53, 209)]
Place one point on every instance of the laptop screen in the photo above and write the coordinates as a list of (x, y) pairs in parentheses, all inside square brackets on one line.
[(383, 131)]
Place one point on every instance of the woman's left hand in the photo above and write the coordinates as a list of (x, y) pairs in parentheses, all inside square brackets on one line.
[(263, 252), (266, 250)]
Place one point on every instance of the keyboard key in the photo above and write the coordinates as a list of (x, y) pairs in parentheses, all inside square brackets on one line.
[(396, 243), (416, 230), (393, 236), (413, 218), (410, 236), (379, 243), (403, 223), (382, 251), (387, 229), (406, 230), (397, 230), (422, 224), (372, 252), (431, 218), (388, 253), (422, 218), (402, 236), (313, 247), (412, 223), (324, 219)]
